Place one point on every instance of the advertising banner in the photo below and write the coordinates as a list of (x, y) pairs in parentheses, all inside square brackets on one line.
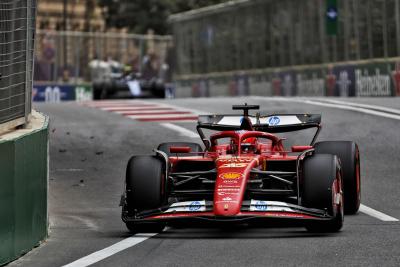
[(260, 85), (284, 83), (83, 93), (311, 82), (365, 79), (54, 93), (341, 81), (373, 80)]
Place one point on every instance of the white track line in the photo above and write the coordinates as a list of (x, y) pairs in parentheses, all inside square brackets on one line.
[(182, 131), (348, 106), (377, 214), (368, 106), (109, 251)]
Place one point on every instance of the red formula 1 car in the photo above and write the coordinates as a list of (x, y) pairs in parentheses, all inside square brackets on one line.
[(244, 174)]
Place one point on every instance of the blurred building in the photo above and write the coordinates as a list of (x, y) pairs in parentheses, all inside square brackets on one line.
[(81, 15)]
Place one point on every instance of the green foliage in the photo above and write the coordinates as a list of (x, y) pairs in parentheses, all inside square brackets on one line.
[(141, 15)]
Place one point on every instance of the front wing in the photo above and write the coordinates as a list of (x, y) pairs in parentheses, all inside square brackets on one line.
[(253, 210)]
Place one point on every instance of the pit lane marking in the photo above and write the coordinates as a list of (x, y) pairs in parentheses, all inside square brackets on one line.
[(111, 250)]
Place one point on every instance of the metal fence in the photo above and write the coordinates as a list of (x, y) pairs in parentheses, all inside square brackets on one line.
[(257, 34), (17, 28), (67, 57)]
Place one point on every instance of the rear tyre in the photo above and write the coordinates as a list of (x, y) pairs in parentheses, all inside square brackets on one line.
[(321, 189), (349, 156), (164, 147), (145, 190)]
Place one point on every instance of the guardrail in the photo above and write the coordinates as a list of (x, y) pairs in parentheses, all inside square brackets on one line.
[(377, 77)]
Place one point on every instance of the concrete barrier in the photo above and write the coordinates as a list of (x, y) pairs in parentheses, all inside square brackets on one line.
[(23, 188)]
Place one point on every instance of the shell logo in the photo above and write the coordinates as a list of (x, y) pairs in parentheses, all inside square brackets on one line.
[(231, 175)]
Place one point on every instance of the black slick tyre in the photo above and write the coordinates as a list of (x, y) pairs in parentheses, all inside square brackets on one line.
[(164, 147), (321, 189), (349, 156), (145, 190)]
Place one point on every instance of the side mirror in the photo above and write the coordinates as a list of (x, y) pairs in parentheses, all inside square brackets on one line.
[(300, 148), (180, 149)]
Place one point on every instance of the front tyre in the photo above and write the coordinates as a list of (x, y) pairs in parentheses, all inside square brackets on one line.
[(145, 190), (322, 189), (349, 156)]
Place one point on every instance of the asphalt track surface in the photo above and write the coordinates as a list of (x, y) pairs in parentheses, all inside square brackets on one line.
[(89, 150)]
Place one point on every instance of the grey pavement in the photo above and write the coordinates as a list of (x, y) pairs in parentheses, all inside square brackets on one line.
[(89, 150)]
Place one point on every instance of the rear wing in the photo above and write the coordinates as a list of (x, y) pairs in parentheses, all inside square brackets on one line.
[(276, 123)]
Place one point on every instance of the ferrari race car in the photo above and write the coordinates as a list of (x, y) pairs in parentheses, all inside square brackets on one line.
[(244, 174)]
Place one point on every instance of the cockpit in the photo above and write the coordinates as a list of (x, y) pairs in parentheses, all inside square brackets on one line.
[(243, 142)]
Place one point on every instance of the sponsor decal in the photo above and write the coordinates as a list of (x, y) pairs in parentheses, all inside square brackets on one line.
[(234, 165), (227, 191), (287, 85), (330, 82), (231, 181), (310, 87), (195, 206), (83, 93), (277, 86), (234, 189), (261, 205), (224, 193), (230, 159), (344, 83), (230, 175), (187, 206), (59, 93), (372, 85), (274, 121), (227, 199), (396, 79), (229, 187)]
